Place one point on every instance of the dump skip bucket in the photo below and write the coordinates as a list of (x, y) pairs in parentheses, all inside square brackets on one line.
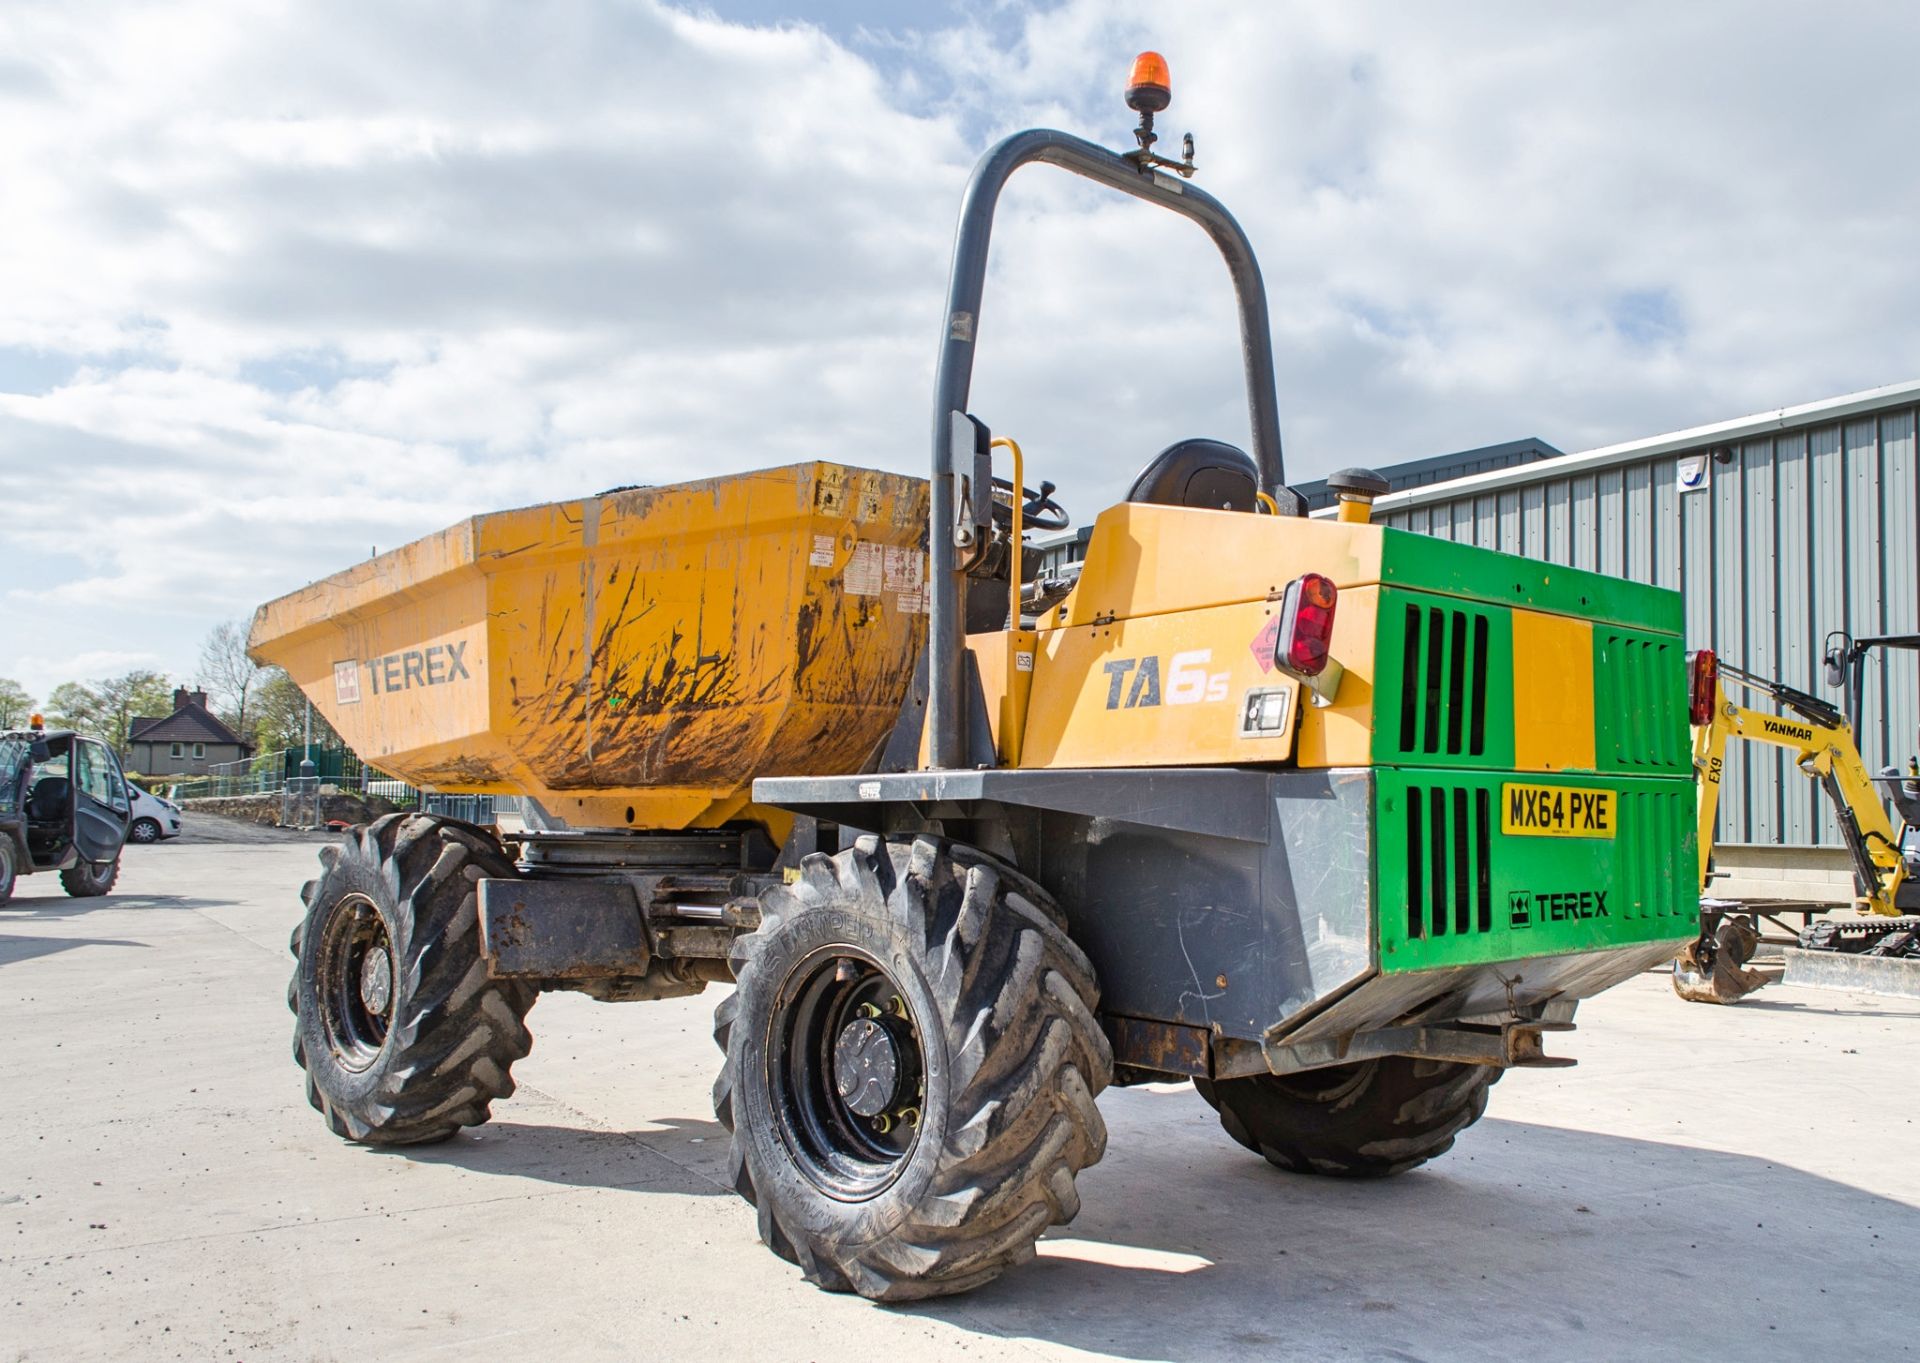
[(635, 658)]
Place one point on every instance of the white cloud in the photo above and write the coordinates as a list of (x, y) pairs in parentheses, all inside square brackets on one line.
[(289, 282)]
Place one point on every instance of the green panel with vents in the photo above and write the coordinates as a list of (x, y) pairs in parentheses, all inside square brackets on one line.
[(1640, 702), (1443, 682), (1452, 889), (1430, 564), (1443, 690)]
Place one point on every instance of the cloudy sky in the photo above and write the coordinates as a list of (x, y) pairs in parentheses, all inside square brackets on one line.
[(287, 282)]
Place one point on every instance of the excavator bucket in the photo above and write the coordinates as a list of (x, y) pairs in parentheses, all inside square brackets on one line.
[(1713, 968)]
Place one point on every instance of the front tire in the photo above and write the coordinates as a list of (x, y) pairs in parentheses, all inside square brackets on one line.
[(911, 1065), (1369, 1119), (88, 879), (8, 874), (144, 830), (403, 1035)]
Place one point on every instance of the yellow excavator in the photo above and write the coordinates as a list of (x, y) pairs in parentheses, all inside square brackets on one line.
[(1886, 871)]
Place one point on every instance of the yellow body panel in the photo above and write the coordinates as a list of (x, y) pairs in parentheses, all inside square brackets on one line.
[(1340, 734), (1153, 660), (1148, 560), (635, 658), (1552, 693), (1156, 691)]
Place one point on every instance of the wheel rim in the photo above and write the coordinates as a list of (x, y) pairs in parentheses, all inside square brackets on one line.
[(356, 981), (146, 831), (848, 1073)]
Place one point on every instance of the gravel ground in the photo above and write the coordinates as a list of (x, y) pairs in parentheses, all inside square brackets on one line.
[(198, 827)]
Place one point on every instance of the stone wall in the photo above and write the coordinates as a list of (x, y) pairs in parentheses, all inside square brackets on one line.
[(265, 809)]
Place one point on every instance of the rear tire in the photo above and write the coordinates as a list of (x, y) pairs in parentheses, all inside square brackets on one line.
[(88, 880), (1369, 1119), (403, 1035), (7, 872), (912, 1059)]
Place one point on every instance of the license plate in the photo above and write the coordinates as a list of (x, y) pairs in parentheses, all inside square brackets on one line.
[(1556, 811)]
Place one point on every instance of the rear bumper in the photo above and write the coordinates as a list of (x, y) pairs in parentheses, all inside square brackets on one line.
[(1273, 908), (1492, 990)]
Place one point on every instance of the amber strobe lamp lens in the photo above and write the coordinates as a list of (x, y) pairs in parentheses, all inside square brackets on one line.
[(1149, 88), (1703, 675), (1306, 625)]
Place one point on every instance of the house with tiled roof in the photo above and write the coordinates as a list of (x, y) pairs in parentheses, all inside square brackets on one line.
[(187, 742)]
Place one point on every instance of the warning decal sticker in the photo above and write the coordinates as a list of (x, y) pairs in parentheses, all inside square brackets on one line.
[(864, 569)]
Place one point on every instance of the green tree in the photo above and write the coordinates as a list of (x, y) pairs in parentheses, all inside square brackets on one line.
[(281, 710), (74, 705), (106, 708), (231, 677), (15, 704), (126, 697)]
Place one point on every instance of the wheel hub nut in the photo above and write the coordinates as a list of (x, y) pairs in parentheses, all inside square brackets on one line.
[(376, 981), (866, 1067)]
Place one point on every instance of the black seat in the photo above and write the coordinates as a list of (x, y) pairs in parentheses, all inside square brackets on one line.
[(48, 802), (1202, 473), (47, 820)]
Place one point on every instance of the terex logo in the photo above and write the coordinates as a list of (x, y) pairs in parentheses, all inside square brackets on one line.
[(1527, 907), (1796, 731), (434, 665)]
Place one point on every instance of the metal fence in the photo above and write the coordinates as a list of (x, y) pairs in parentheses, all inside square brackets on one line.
[(279, 773), (268, 773)]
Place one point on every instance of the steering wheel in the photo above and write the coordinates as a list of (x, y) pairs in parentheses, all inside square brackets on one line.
[(1038, 510)]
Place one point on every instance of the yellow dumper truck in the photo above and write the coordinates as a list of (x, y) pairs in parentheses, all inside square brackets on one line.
[(1337, 821)]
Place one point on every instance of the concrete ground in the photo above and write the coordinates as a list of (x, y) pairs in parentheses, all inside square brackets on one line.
[(1708, 1183)]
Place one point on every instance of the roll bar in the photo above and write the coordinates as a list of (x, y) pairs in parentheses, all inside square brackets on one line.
[(946, 637)]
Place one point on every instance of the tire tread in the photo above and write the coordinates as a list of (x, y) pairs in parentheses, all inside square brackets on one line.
[(1016, 1000), (457, 1032), (1383, 1117)]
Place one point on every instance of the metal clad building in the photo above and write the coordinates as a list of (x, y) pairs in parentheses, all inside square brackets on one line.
[(1808, 522), (1443, 469)]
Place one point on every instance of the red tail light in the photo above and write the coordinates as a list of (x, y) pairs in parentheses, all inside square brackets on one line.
[(1703, 679), (1306, 625)]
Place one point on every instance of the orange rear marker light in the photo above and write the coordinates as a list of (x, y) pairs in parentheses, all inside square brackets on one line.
[(1703, 675)]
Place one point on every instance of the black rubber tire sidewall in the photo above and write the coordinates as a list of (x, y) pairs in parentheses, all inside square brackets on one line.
[(9, 872), (348, 876), (83, 881), (1369, 1119), (435, 1074), (1013, 1054), (812, 1211)]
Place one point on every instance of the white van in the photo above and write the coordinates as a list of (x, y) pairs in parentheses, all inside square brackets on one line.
[(153, 817)]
